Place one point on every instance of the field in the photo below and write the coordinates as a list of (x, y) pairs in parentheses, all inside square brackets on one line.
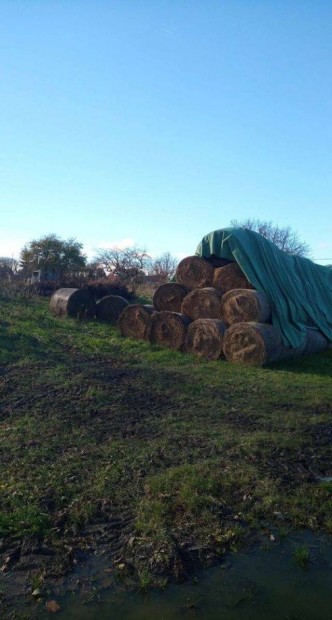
[(160, 460)]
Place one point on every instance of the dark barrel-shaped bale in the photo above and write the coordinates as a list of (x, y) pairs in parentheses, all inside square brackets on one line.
[(194, 272), (168, 329), (202, 303), (205, 338), (228, 277), (135, 321), (245, 305), (110, 307), (74, 302), (169, 296)]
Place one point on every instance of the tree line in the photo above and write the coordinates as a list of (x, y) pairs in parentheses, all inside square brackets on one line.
[(60, 259)]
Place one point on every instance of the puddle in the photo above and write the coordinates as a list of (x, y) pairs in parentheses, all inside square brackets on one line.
[(252, 585)]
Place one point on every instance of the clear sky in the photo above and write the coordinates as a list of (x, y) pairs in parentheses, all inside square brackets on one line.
[(157, 121)]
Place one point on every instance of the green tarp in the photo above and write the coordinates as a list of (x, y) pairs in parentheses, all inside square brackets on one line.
[(299, 291)]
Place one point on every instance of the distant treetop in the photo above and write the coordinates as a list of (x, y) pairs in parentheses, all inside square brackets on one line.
[(51, 252), (284, 238)]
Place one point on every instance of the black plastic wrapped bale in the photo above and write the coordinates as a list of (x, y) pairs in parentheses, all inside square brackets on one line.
[(110, 307), (74, 302)]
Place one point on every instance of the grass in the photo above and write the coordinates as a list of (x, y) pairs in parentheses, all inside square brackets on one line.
[(182, 458), (302, 555)]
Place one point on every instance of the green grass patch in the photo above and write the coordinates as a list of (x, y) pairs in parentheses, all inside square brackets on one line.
[(185, 457)]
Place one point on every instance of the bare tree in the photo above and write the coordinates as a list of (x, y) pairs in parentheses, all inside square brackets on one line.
[(284, 238), (94, 270), (126, 263), (164, 267)]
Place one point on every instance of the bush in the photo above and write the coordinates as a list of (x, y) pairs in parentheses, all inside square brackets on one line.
[(104, 286), (14, 289), (44, 289)]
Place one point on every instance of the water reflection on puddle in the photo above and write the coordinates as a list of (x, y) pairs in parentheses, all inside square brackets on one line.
[(252, 585)]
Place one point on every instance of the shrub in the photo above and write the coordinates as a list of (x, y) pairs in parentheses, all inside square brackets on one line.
[(106, 286)]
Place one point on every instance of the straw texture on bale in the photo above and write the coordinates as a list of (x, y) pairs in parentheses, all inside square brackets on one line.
[(169, 297), (168, 329), (228, 277), (253, 344), (202, 303), (194, 272), (244, 305), (110, 307), (205, 338), (256, 344), (135, 321), (74, 302)]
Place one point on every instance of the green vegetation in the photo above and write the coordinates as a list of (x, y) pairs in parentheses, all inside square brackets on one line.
[(302, 555), (163, 459)]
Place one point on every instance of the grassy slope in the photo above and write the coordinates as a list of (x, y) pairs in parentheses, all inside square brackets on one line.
[(174, 458)]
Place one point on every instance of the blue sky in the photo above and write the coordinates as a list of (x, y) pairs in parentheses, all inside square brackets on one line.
[(154, 122)]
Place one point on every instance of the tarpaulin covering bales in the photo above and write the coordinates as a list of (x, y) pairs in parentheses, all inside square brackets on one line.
[(299, 291)]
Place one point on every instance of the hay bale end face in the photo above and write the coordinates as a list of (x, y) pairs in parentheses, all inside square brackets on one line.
[(245, 305), (74, 302), (252, 344), (135, 321), (110, 307), (229, 277), (256, 344), (202, 303), (169, 296), (194, 272), (205, 338), (168, 329)]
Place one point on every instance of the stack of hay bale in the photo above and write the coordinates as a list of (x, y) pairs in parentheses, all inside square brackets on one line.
[(212, 310)]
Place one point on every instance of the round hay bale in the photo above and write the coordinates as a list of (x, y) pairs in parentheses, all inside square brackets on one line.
[(228, 277), (245, 305), (205, 338), (169, 297), (253, 344), (256, 344), (168, 329), (202, 303), (135, 321), (74, 302), (110, 307), (194, 272)]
